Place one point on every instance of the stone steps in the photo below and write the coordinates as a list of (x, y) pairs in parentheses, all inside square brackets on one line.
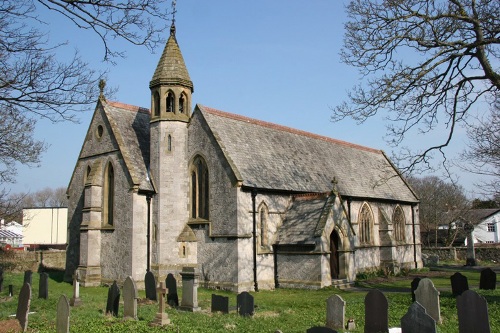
[(342, 284)]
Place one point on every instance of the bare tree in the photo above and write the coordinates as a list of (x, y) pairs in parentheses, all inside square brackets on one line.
[(425, 63)]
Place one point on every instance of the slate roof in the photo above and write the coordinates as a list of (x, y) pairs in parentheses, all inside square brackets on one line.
[(269, 156), (130, 126)]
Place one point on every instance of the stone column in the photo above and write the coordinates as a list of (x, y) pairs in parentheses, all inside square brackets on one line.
[(190, 277)]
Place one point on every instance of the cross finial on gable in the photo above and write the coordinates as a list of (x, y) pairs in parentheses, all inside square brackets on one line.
[(334, 185), (102, 84)]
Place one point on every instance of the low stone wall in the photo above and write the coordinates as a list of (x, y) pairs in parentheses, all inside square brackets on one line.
[(489, 253), (20, 261)]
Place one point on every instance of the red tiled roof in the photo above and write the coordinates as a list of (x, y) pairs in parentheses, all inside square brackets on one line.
[(128, 107)]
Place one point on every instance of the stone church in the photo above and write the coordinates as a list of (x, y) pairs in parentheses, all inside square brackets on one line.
[(250, 204)]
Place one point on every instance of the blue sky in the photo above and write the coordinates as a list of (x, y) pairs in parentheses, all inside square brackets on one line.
[(276, 61)]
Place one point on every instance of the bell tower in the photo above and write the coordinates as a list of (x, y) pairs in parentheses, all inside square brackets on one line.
[(171, 89)]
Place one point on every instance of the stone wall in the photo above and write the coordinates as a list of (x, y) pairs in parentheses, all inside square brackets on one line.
[(20, 261), (488, 252)]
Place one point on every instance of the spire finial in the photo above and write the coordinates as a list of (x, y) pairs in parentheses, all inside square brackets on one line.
[(334, 185), (172, 27), (102, 84)]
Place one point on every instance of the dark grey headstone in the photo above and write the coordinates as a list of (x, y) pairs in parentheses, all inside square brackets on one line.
[(150, 286), (320, 329), (335, 312), (220, 303), (62, 317), (1, 279), (113, 302), (28, 277), (416, 320), (11, 290), (172, 297), (459, 284), (244, 304), (43, 286), (472, 313), (376, 312), (428, 296), (488, 279), (414, 286), (23, 306)]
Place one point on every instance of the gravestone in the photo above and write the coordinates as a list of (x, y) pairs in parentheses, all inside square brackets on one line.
[(376, 312), (172, 297), (43, 286), (113, 302), (245, 304), (459, 284), (220, 303), (190, 277), (335, 312), (62, 317), (488, 279), (1, 278), (23, 306), (150, 286), (75, 300), (416, 320), (320, 329), (428, 296), (472, 313), (414, 286), (11, 290), (28, 277), (130, 297), (161, 317)]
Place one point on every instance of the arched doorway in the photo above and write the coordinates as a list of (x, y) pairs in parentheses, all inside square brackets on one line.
[(334, 255)]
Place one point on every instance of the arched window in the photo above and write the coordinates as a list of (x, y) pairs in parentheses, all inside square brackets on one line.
[(169, 143), (170, 102), (181, 103), (398, 224), (365, 221), (263, 215), (199, 189), (87, 175), (156, 104), (108, 195)]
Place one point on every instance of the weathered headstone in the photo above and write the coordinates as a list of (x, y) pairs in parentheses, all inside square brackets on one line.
[(376, 312), (245, 304), (220, 303), (416, 320), (150, 286), (488, 279), (472, 313), (414, 286), (1, 278), (428, 296), (190, 277), (320, 329), (28, 277), (62, 319), (459, 284), (75, 300), (172, 297), (335, 312), (23, 306), (113, 302), (43, 286), (130, 297), (161, 317)]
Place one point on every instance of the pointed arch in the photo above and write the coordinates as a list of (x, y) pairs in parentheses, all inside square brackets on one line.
[(199, 189), (182, 103), (156, 104), (263, 224), (398, 223), (108, 194), (170, 101), (365, 223)]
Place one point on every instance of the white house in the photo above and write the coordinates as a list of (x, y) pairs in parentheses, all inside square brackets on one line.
[(486, 225), (45, 226)]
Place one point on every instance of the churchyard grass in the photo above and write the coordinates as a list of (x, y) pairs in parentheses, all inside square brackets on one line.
[(289, 310)]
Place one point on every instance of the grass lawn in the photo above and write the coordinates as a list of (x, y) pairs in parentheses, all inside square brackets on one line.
[(289, 310)]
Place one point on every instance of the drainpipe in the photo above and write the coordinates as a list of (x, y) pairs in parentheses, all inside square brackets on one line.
[(148, 235), (254, 213), (275, 255), (414, 236)]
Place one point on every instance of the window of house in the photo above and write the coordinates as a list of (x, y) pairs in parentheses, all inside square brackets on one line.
[(199, 189), (365, 222), (170, 102), (108, 195), (263, 215), (156, 104), (491, 227), (398, 224)]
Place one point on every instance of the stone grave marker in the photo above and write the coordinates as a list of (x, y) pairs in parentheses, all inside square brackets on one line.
[(459, 284), (376, 312), (113, 302), (190, 278), (335, 312), (161, 317), (416, 320), (28, 277), (43, 286), (150, 286), (472, 313), (220, 303), (75, 300), (1, 278), (62, 319), (488, 279), (428, 296), (171, 284), (130, 297), (414, 286), (23, 306), (320, 329), (245, 304)]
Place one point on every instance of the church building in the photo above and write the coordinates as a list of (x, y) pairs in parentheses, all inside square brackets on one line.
[(249, 204)]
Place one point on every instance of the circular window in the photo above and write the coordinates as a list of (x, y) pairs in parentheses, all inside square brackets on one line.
[(99, 132)]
